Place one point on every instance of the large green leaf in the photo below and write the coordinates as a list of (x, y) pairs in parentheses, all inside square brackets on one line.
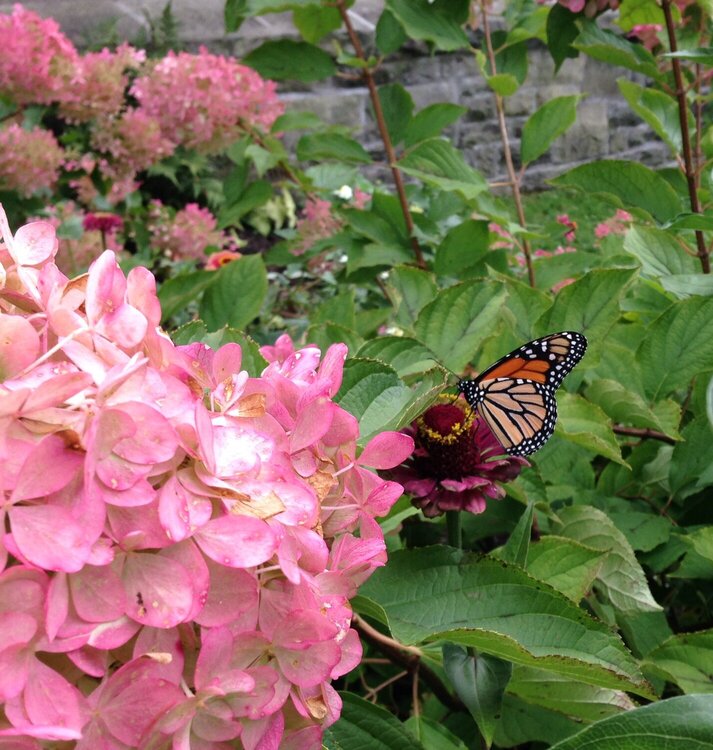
[(628, 407), (407, 356), (681, 723), (430, 121), (524, 722), (179, 291), (678, 346), (410, 290), (439, 593), (433, 734), (433, 22), (643, 531), (620, 579), (463, 247), (562, 30), (658, 251), (316, 21), (285, 59), (439, 164), (590, 305), (692, 460), (237, 295), (365, 725), (627, 184), (657, 109), (458, 320), (547, 124), (685, 659), (565, 564), (331, 146), (397, 106), (586, 424)]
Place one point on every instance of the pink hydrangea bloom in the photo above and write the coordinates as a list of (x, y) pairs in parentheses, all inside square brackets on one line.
[(617, 224), (182, 539), (30, 160), (206, 101), (186, 234), (590, 7), (37, 61)]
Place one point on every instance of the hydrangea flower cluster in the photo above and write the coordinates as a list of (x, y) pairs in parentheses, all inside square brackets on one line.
[(182, 540), (204, 101), (30, 160)]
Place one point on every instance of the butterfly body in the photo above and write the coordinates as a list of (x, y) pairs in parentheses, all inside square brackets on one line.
[(516, 395)]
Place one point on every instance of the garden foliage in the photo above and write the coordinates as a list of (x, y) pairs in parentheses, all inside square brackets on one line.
[(207, 528)]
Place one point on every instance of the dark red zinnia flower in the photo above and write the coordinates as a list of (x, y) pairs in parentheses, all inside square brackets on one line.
[(456, 462), (102, 222)]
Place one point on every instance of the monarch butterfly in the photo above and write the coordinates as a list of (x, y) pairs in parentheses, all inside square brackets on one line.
[(516, 395)]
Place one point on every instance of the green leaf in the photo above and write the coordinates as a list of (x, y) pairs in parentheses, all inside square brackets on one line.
[(433, 734), (636, 12), (590, 305), (587, 425), (390, 34), (702, 55), (372, 226), (430, 121), (523, 722), (523, 306), (692, 459), (480, 682), (374, 254), (431, 22), (677, 347), (562, 30), (566, 565), (644, 531), (287, 60), (436, 593), (234, 14), (340, 309), (547, 124), (365, 725), (627, 407), (397, 106), (331, 146), (316, 21), (439, 164), (709, 401), (621, 579), (626, 184), (407, 356), (179, 291), (294, 120), (236, 297), (458, 320), (326, 334), (658, 110), (604, 45), (410, 290), (255, 194), (463, 247), (568, 697), (698, 559), (688, 284), (681, 723), (659, 253), (686, 660), (516, 547)]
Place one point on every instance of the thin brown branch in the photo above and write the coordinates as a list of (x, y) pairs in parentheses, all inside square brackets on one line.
[(409, 658), (383, 131), (502, 124), (689, 168), (643, 432)]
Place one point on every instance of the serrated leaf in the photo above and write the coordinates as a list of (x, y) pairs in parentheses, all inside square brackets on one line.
[(692, 459), (331, 146), (562, 30), (316, 21), (524, 722), (436, 593), (677, 347), (587, 425), (658, 110), (326, 334), (179, 291), (430, 121), (410, 290), (462, 248), (576, 699), (516, 548), (458, 320), (287, 60), (626, 184), (406, 355), (547, 124), (431, 22), (688, 285), (480, 682), (565, 564), (439, 164), (644, 531), (658, 252), (365, 725), (620, 579), (397, 106), (236, 296), (627, 407), (433, 734), (685, 659), (680, 723)]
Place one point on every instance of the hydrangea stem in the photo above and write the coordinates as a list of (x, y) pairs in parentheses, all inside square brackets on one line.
[(455, 531)]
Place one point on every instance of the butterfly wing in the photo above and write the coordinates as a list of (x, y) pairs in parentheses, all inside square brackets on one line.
[(516, 395)]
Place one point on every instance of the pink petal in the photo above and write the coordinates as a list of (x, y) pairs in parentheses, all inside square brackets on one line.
[(181, 512), (141, 294), (214, 657), (233, 592), (351, 654), (312, 423), (162, 641), (154, 439), (383, 497), (57, 605), (237, 541), (49, 467), (35, 243), (264, 734), (158, 590), (19, 345), (50, 537), (226, 362), (309, 666), (97, 594), (109, 635), (386, 450), (188, 555)]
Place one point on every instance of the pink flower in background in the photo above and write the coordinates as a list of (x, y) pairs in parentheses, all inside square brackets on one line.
[(182, 539), (186, 234), (617, 224), (570, 225), (457, 463), (37, 61), (206, 101), (30, 160)]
